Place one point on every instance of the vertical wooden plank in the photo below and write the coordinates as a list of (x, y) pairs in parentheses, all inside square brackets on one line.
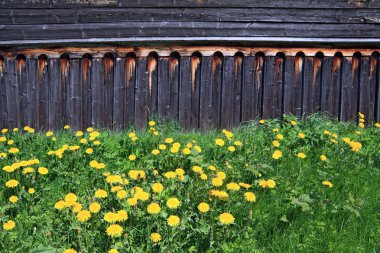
[(312, 84), (195, 89), (152, 84), (185, 92), (211, 91), (43, 93), (259, 67), (32, 92), (86, 65), (119, 94), (205, 103), (141, 95), (373, 83), (272, 99), (23, 85), (326, 83), (12, 92), (377, 92), (227, 106), (237, 93), (174, 80), (109, 74), (97, 91), (366, 102), (349, 90), (248, 89), (75, 99), (331, 84), (163, 99), (55, 95), (3, 95), (129, 102), (293, 86)]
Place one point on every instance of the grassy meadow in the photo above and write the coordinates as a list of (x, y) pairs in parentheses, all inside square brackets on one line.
[(306, 185)]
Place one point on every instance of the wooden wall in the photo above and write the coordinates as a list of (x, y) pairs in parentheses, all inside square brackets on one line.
[(202, 89)]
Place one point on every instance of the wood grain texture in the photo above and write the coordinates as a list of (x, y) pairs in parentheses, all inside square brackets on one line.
[(205, 92)]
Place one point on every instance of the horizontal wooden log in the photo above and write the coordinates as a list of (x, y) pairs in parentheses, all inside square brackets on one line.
[(109, 15), (185, 29), (189, 3)]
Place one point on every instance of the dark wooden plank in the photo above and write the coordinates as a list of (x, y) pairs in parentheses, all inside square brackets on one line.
[(141, 93), (129, 103), (258, 85), (12, 93), (56, 98), (373, 71), (365, 101), (377, 92), (170, 29), (174, 81), (108, 99), (196, 66), (86, 66), (331, 80), (43, 93), (227, 104), (185, 92), (119, 94), (273, 82), (312, 85), (3, 95), (349, 89), (64, 85), (108, 15), (211, 91), (97, 92), (32, 92), (75, 98), (291, 74), (187, 3), (247, 89), (163, 99), (23, 89), (152, 64)]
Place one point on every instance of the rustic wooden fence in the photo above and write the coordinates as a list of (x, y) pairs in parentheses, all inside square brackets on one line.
[(200, 89)]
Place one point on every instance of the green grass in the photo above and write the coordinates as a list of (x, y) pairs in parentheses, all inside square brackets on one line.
[(299, 214)]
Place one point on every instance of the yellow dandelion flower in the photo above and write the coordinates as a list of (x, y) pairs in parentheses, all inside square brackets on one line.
[(186, 151), (12, 183), (89, 151), (132, 157), (157, 187), (233, 186), (323, 158), (203, 207), (231, 149), (276, 143), (83, 216), (77, 207), (113, 251), (31, 190), (71, 198), (155, 152), (261, 121), (13, 199), (60, 205), (173, 203), (271, 183), (153, 208), (9, 225), (277, 154), (121, 194), (132, 201), (217, 181), (114, 230), (155, 237), (301, 135), (301, 155), (173, 220), (101, 194), (226, 218), (13, 150), (279, 137), (219, 142), (43, 170), (327, 183), (250, 196), (94, 207), (152, 123)]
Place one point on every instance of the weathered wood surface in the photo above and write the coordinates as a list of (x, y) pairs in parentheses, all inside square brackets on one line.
[(200, 91), (53, 20), (188, 3)]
